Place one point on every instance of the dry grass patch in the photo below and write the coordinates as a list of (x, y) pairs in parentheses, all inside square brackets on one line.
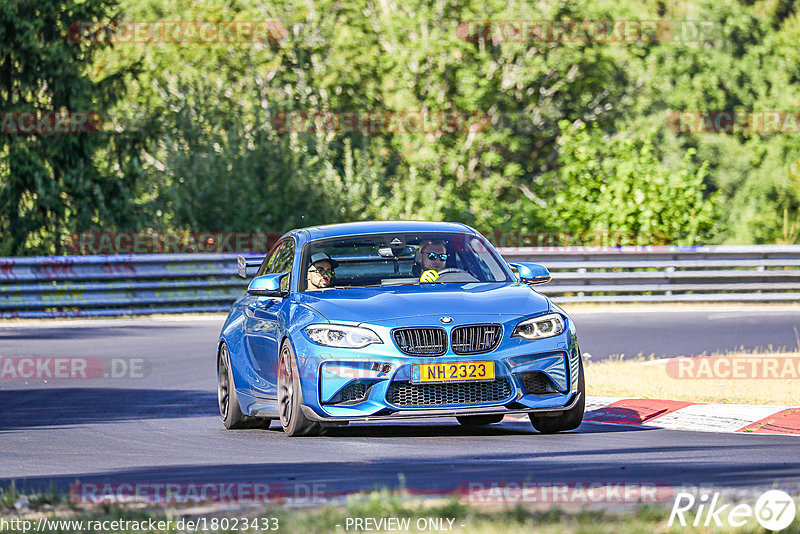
[(662, 379)]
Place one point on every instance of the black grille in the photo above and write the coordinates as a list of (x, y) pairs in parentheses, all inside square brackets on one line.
[(353, 392), (538, 383), (421, 341), (408, 394), (474, 339)]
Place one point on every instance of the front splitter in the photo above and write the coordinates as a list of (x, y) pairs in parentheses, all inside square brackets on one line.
[(450, 412)]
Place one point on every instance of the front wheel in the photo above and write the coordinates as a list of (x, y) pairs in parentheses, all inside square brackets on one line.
[(290, 397), (229, 410), (568, 420)]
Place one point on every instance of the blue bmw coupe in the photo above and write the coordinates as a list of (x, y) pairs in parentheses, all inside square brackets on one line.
[(394, 320)]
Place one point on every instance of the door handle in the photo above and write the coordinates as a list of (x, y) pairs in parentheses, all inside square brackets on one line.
[(260, 312)]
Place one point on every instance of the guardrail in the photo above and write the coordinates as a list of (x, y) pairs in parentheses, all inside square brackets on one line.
[(84, 286), (765, 273)]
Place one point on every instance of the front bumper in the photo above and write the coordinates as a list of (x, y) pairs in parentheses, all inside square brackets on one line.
[(356, 385), (448, 412)]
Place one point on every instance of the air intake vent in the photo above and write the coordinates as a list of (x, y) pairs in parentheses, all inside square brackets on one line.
[(408, 394), (538, 383), (421, 341), (352, 393), (474, 339)]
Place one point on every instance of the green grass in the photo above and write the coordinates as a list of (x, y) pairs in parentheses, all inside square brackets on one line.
[(467, 518), (10, 496)]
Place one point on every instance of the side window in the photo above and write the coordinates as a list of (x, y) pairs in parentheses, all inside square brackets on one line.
[(283, 262), (269, 261)]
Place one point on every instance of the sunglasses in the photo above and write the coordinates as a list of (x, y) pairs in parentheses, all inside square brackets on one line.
[(323, 272), (432, 256)]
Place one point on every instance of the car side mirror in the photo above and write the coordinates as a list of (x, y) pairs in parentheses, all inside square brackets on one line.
[(531, 273), (267, 285)]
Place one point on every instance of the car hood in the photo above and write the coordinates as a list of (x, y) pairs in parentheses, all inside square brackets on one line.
[(372, 304)]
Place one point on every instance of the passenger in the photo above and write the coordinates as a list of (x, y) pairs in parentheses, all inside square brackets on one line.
[(321, 272)]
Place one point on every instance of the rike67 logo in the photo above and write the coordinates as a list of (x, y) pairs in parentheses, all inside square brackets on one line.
[(774, 510)]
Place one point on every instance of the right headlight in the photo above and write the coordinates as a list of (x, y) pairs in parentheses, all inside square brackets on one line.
[(540, 327)]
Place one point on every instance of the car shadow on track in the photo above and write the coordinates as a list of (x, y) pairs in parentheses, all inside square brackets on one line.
[(36, 408), (446, 470), (437, 429), (447, 429)]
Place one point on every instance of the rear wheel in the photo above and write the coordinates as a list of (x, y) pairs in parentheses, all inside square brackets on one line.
[(479, 420), (232, 416), (290, 397), (569, 419)]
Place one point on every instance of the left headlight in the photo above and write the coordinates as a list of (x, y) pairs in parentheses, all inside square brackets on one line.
[(343, 336), (540, 327)]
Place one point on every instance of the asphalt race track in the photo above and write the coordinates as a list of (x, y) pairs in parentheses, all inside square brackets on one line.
[(165, 427), (685, 331)]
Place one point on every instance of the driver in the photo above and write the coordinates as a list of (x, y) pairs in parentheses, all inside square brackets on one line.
[(432, 256), (321, 272)]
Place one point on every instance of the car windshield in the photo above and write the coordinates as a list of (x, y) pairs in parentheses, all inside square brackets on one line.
[(399, 259)]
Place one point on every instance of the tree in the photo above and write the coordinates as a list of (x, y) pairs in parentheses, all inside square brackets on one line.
[(51, 183), (616, 191)]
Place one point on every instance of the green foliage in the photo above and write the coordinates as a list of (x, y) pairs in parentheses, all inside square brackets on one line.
[(575, 137), (51, 184), (616, 188)]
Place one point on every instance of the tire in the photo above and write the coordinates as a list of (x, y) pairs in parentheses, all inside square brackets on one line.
[(229, 410), (568, 420), (479, 420), (290, 397)]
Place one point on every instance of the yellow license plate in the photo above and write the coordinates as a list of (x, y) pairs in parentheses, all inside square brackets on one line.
[(452, 372)]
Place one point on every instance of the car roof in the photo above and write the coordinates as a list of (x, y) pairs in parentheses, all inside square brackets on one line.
[(313, 233)]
